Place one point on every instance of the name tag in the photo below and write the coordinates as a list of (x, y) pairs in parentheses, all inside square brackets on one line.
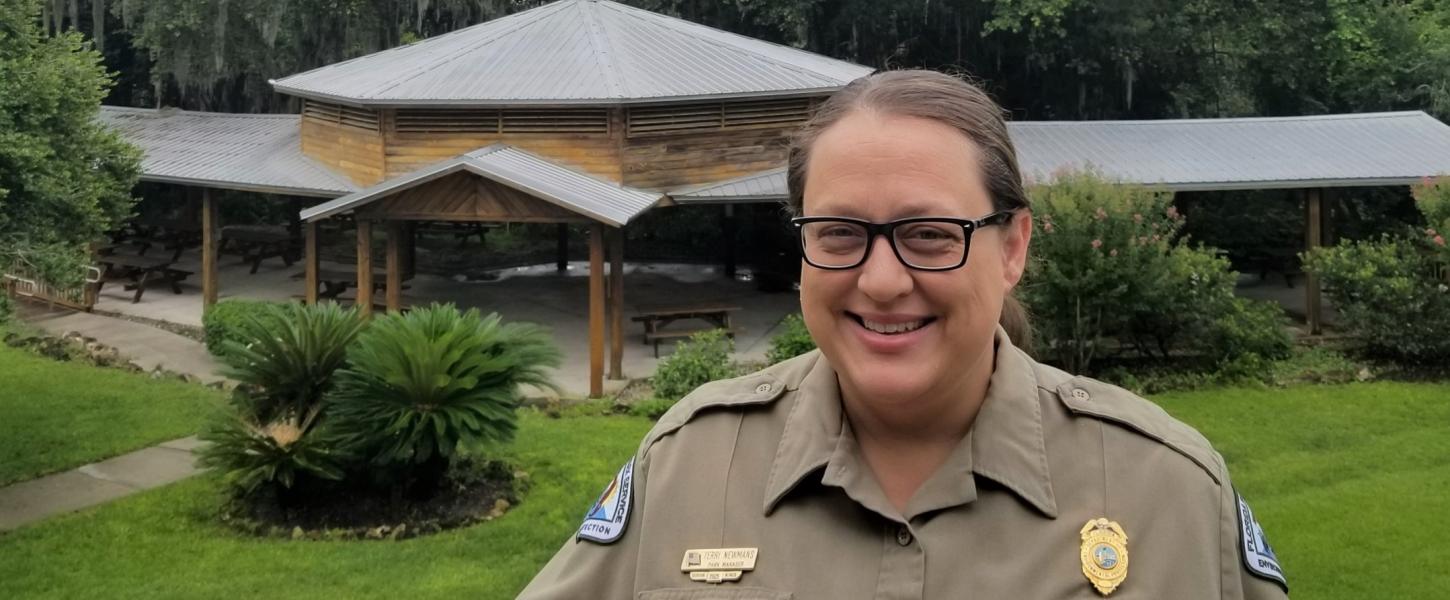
[(719, 559)]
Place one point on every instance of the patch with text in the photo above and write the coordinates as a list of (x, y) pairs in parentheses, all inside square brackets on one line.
[(605, 521), (1258, 556)]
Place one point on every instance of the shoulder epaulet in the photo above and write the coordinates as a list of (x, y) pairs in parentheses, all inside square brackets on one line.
[(1093, 398), (758, 388)]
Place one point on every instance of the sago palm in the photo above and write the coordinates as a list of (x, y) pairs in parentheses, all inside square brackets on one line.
[(285, 358), (419, 386)]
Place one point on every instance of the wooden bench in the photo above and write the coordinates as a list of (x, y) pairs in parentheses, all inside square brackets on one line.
[(655, 319), (139, 272)]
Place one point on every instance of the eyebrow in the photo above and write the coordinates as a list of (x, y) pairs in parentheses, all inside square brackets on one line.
[(899, 210)]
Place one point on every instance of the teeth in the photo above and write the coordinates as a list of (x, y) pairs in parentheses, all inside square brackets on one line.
[(893, 327)]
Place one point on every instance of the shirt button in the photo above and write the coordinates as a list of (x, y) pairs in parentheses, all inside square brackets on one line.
[(1081, 394), (903, 536), (763, 388)]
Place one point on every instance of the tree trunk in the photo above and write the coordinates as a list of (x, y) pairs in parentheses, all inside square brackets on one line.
[(45, 17), (98, 24), (75, 15), (57, 13)]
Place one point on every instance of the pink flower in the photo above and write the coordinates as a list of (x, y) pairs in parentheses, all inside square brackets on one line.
[(1155, 238), (1137, 217), (1047, 227), (1113, 252), (1143, 240), (1431, 232), (1100, 214), (1172, 212), (1439, 240), (1097, 244)]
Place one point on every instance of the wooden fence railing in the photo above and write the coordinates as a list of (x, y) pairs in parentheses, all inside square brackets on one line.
[(21, 282)]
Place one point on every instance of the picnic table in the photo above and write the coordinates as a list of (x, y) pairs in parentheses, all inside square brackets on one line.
[(334, 282), (140, 271), (655, 320), (256, 244), (175, 235)]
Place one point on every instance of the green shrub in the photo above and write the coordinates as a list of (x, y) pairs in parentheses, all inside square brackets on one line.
[(792, 341), (6, 307), (1390, 295), (420, 386), (705, 357), (273, 434), (1109, 270), (224, 320)]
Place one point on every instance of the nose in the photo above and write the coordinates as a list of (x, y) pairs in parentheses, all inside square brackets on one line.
[(882, 277)]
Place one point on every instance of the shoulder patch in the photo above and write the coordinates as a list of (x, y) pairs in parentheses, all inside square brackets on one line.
[(1259, 558), (605, 521)]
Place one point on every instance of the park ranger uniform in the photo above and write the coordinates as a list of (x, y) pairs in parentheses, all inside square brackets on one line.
[(1063, 486)]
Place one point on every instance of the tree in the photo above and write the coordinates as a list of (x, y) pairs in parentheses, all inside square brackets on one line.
[(64, 178)]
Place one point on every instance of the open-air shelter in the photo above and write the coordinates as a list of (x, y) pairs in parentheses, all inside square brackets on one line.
[(592, 112)]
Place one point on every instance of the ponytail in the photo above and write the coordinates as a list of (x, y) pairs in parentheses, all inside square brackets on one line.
[(1017, 323)]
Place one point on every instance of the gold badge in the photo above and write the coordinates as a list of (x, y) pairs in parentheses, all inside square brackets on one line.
[(714, 565), (1104, 554)]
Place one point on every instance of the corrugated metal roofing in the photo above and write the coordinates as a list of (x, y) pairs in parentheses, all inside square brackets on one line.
[(259, 153), (1350, 150), (574, 52), (759, 187), (594, 198)]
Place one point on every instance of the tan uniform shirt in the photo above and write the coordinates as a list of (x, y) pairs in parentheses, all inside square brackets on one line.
[(768, 461)]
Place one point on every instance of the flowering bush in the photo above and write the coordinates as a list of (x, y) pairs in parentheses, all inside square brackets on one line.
[(1393, 295), (1110, 271)]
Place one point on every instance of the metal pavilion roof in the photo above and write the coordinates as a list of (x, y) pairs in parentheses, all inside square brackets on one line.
[(594, 198), (1352, 150), (258, 153), (759, 187), (1397, 148), (574, 52)]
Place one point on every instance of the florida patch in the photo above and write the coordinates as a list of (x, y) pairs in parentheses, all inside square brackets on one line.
[(1259, 558), (605, 521)]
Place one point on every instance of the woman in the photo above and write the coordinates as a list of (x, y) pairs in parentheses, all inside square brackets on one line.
[(918, 453)]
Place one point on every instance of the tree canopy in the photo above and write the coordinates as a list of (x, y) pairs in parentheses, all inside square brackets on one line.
[(64, 178), (1043, 59)]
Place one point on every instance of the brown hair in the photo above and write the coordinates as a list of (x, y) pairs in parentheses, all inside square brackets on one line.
[(944, 99)]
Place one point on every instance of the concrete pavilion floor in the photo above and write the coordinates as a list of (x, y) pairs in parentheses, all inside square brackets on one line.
[(535, 294)]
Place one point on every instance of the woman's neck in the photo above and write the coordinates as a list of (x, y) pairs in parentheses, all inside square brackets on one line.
[(906, 441)]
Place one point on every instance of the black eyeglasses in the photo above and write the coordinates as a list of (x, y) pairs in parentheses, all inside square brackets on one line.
[(921, 243)]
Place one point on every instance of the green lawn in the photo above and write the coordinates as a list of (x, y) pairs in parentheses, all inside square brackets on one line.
[(1351, 482), (57, 415)]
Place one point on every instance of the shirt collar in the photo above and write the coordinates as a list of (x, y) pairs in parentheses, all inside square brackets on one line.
[(1005, 443)]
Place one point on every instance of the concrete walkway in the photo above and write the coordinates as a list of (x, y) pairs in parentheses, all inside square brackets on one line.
[(143, 344), (30, 501)]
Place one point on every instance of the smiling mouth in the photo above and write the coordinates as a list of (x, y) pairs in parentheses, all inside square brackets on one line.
[(891, 328)]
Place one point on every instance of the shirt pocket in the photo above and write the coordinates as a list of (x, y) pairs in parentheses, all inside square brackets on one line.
[(714, 593)]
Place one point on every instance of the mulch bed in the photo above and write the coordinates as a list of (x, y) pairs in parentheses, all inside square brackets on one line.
[(473, 493)]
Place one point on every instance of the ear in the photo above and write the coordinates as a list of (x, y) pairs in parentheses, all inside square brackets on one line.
[(1015, 240)]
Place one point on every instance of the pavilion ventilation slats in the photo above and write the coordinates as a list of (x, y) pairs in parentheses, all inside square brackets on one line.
[(587, 121), (336, 114), (716, 116)]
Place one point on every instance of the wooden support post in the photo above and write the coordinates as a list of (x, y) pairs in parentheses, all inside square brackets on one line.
[(596, 310), (561, 256), (395, 266), (309, 259), (616, 304), (210, 237), (729, 241), (1313, 238), (364, 267)]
